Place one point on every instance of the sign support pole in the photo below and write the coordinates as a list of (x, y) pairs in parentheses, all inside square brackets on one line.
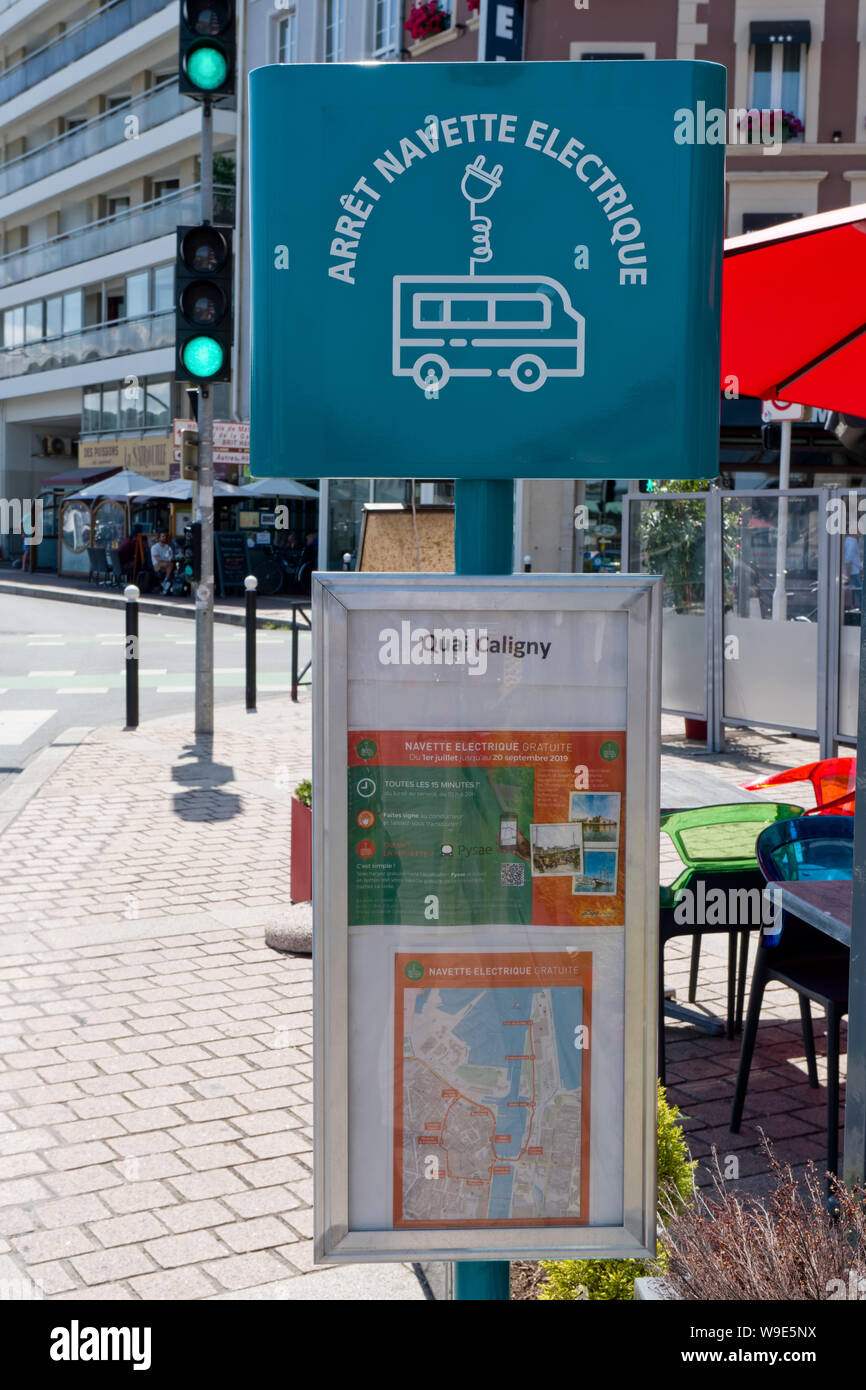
[(483, 544), (204, 591)]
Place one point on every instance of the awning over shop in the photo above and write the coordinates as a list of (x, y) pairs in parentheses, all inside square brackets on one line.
[(78, 477), (780, 31)]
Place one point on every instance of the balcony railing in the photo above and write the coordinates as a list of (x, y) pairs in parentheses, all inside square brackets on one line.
[(115, 18), (161, 104), (89, 345), (116, 233)]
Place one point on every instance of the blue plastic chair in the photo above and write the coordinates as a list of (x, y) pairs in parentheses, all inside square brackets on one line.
[(800, 956)]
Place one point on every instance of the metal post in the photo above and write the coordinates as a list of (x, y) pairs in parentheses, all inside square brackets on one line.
[(484, 544), (251, 584), (347, 560), (780, 597), (295, 655), (204, 509), (855, 1095), (131, 594), (527, 564)]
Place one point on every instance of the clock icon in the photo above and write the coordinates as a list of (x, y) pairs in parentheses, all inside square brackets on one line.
[(365, 786)]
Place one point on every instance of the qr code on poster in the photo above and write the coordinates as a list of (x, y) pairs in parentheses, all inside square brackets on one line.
[(512, 875)]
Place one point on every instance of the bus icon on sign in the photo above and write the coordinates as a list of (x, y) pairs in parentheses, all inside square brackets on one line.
[(517, 326)]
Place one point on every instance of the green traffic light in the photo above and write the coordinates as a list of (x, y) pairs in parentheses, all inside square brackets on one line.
[(206, 66), (202, 357)]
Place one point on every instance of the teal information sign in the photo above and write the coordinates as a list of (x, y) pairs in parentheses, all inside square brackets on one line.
[(486, 270)]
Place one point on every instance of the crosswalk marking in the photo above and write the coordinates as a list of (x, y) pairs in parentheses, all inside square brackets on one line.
[(82, 690), (18, 725), (31, 674)]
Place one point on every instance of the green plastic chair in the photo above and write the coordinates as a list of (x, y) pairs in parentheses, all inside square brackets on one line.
[(716, 845)]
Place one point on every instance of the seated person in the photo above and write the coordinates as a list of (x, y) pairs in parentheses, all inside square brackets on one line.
[(126, 551), (162, 558)]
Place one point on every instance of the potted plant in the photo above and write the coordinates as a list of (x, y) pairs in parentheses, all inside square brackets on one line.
[(301, 844), (427, 19), (795, 1246)]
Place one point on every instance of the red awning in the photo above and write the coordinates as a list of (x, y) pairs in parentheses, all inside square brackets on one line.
[(794, 312)]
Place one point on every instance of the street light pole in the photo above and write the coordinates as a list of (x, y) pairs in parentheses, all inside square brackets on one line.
[(204, 592)]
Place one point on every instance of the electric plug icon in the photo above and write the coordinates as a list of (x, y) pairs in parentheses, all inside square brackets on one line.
[(478, 184)]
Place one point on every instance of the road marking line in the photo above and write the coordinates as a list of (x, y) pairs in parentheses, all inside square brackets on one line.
[(46, 644), (49, 673), (153, 671), (82, 690), (173, 689)]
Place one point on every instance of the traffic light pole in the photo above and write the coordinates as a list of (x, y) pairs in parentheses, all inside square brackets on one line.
[(204, 593)]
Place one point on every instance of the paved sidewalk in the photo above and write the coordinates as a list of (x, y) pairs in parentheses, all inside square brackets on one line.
[(155, 1112), (157, 1058)]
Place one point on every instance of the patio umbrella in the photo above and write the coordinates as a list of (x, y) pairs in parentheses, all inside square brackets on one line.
[(794, 329), (179, 490), (278, 487), (122, 484), (793, 318)]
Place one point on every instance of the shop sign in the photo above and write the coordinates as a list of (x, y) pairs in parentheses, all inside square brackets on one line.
[(149, 455)]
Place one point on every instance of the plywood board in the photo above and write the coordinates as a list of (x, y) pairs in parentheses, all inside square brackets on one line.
[(394, 541)]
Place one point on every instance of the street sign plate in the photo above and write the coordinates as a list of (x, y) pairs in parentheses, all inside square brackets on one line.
[(486, 270)]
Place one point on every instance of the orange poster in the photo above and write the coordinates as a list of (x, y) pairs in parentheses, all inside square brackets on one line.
[(510, 828), (491, 1088)]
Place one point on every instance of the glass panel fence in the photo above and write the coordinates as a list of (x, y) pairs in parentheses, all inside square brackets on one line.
[(770, 547), (850, 559), (115, 18), (90, 345), (668, 536), (158, 106), (114, 234)]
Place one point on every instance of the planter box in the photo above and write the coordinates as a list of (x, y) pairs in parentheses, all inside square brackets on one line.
[(301, 853), (696, 729), (652, 1290)]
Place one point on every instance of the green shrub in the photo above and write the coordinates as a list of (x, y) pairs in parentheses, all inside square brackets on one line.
[(614, 1279), (304, 792)]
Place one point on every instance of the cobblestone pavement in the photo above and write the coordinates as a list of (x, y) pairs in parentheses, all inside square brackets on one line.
[(701, 1070), (155, 1115)]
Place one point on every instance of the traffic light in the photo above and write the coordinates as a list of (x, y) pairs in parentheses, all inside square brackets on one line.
[(192, 551), (208, 48), (203, 304), (189, 455)]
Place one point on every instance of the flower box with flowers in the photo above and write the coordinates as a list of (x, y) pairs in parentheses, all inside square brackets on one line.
[(758, 125), (426, 20)]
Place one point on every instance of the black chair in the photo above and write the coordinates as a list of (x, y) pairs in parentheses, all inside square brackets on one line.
[(806, 960), (116, 575), (98, 558)]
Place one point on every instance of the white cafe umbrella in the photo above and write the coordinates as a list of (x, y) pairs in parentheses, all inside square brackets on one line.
[(122, 484), (278, 487), (179, 490)]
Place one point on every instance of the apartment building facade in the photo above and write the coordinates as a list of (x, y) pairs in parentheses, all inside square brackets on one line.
[(99, 162)]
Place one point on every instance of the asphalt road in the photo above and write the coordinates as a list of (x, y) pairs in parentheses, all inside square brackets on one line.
[(62, 666)]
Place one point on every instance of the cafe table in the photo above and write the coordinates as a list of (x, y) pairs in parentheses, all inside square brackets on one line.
[(823, 903)]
